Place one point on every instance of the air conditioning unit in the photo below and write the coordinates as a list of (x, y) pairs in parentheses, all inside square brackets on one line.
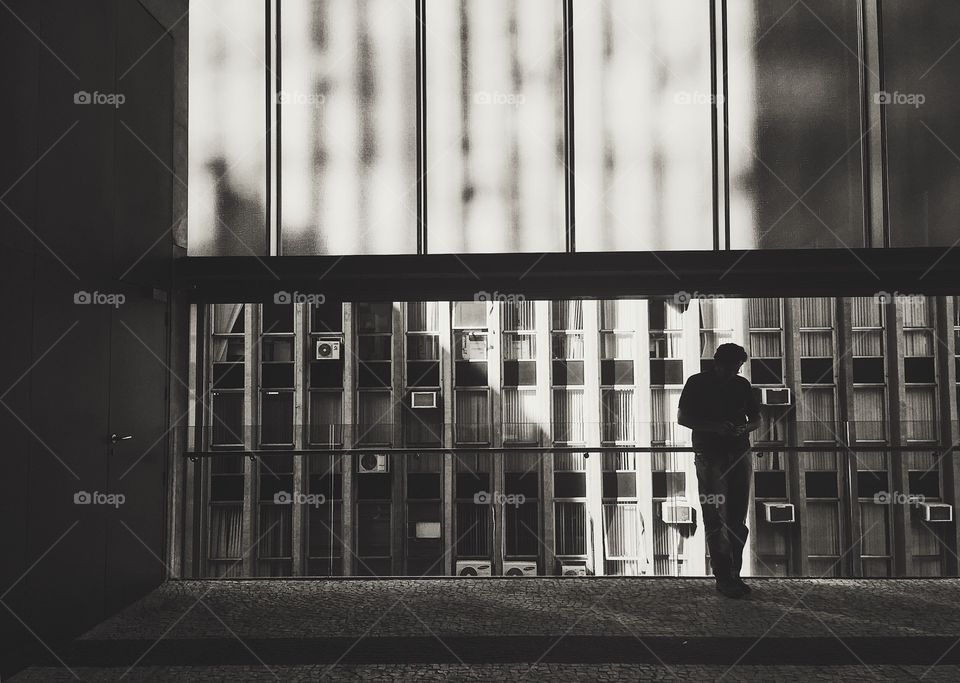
[(328, 349), (677, 513), (423, 399), (519, 568), (936, 512), (779, 396), (779, 513), (573, 570), (473, 568), (372, 463)]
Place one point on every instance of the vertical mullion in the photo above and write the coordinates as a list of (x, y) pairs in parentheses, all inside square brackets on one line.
[(420, 11), (714, 131), (725, 97), (884, 181), (278, 88), (569, 190)]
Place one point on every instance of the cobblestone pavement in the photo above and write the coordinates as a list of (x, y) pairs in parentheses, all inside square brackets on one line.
[(525, 629), (543, 606)]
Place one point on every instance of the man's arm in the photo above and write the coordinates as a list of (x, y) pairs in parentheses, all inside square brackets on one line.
[(752, 411), (691, 422)]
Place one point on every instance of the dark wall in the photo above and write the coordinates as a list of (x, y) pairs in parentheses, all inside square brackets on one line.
[(87, 204)]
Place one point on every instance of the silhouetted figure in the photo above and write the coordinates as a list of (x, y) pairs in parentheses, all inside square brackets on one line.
[(720, 407)]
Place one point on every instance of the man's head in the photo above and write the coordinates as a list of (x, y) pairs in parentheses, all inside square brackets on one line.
[(728, 359)]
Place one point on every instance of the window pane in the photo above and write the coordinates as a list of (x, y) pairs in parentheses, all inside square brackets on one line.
[(227, 132), (348, 112), (794, 101), (921, 61), (495, 133), (643, 109)]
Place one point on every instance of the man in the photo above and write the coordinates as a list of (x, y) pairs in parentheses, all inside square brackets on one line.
[(721, 409)]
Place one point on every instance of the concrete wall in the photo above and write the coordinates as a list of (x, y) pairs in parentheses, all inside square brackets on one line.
[(89, 205)]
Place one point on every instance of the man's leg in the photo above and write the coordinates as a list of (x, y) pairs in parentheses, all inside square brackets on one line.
[(712, 492), (738, 481)]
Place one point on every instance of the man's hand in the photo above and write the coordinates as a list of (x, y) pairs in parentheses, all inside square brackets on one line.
[(728, 429)]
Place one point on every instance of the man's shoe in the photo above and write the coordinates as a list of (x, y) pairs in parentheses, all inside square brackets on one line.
[(729, 588), (744, 587)]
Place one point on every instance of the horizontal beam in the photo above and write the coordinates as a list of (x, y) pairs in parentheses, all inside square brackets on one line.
[(513, 450), (608, 275)]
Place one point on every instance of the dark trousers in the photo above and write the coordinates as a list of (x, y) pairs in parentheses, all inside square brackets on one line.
[(724, 480)]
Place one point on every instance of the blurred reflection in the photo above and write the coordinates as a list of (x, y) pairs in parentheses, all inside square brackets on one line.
[(922, 60), (494, 126), (227, 131), (795, 156), (643, 112), (348, 126)]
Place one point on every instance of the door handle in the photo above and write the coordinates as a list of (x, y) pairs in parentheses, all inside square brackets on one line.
[(117, 438)]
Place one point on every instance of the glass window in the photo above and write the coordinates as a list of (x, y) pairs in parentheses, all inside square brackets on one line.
[(228, 130), (795, 124), (348, 157), (642, 107), (495, 132), (921, 106)]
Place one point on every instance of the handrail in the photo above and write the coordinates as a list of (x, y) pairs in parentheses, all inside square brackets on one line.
[(936, 449)]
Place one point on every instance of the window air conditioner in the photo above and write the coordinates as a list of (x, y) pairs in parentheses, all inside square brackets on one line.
[(372, 463), (519, 568), (779, 396), (936, 512), (573, 570), (328, 349), (423, 399), (779, 513), (677, 513), (473, 568)]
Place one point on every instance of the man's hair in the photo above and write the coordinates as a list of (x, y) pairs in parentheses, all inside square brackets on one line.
[(730, 353)]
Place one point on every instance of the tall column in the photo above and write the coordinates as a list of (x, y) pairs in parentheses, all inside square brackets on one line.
[(301, 335), (349, 354), (947, 395), (251, 367), (446, 394), (592, 434), (545, 425), (897, 408)]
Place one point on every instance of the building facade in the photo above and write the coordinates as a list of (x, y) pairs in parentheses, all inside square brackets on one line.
[(507, 436)]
